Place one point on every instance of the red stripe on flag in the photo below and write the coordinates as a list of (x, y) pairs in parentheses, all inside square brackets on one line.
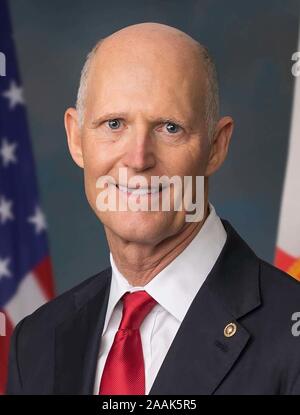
[(4, 350), (44, 275), (283, 260), (287, 263)]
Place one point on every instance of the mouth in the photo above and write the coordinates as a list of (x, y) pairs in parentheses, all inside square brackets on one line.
[(140, 191)]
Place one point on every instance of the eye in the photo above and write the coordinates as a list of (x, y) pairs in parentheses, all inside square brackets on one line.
[(172, 127), (114, 124)]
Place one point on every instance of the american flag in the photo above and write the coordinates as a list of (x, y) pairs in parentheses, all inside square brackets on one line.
[(26, 280)]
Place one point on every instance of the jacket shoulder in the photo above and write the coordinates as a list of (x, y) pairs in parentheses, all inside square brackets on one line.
[(279, 282), (58, 308)]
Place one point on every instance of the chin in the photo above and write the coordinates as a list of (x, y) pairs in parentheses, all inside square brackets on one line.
[(141, 227)]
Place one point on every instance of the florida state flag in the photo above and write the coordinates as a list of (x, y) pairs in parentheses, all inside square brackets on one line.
[(287, 255)]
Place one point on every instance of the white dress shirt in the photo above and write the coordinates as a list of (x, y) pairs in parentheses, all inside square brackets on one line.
[(174, 289)]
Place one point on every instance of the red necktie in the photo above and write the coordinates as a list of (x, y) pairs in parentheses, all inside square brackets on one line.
[(124, 371)]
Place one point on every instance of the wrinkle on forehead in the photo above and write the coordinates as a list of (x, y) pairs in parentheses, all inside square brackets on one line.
[(151, 50)]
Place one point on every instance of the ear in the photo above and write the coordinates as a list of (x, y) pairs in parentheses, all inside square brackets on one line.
[(74, 136), (220, 144)]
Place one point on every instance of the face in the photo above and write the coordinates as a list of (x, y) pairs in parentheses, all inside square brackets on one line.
[(145, 116)]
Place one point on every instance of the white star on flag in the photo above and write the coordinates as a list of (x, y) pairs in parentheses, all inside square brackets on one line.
[(5, 210), (7, 152), (38, 220), (4, 271), (14, 94)]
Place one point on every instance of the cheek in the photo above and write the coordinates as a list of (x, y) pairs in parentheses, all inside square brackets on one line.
[(97, 158), (198, 157), (96, 164), (187, 160)]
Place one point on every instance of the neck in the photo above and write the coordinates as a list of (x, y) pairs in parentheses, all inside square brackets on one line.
[(140, 263)]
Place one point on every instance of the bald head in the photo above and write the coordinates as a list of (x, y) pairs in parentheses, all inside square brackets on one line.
[(160, 49)]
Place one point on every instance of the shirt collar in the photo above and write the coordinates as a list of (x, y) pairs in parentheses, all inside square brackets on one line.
[(183, 277)]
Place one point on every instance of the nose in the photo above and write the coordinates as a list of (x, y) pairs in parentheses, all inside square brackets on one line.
[(139, 152)]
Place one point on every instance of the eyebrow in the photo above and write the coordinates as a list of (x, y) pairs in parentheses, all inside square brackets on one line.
[(114, 115)]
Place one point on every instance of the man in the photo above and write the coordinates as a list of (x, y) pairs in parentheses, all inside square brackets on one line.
[(186, 306)]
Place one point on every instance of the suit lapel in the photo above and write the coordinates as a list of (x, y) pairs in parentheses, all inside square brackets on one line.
[(77, 339), (201, 356)]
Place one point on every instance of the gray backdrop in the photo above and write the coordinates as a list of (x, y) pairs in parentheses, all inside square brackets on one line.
[(252, 42)]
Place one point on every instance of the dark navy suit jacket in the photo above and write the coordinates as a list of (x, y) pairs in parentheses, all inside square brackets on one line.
[(54, 350)]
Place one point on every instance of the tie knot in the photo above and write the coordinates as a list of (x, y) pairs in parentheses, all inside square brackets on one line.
[(136, 306)]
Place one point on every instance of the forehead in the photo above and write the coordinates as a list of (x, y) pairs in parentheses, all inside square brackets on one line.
[(155, 77)]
